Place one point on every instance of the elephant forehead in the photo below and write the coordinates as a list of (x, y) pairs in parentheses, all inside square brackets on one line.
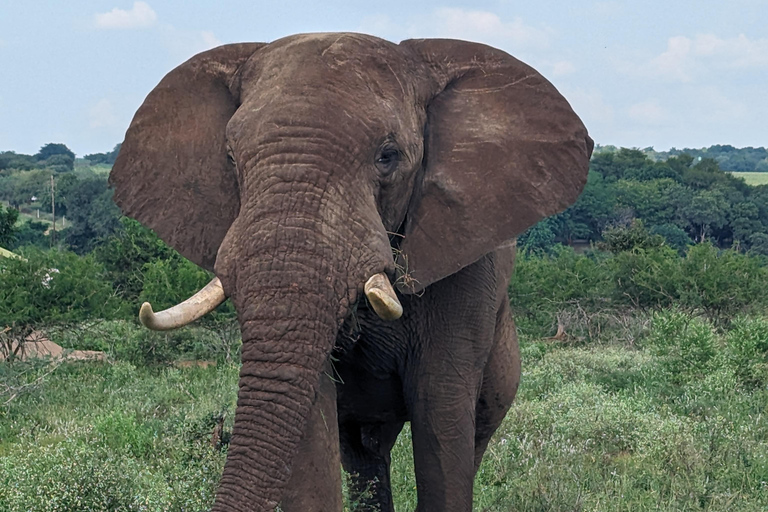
[(345, 61)]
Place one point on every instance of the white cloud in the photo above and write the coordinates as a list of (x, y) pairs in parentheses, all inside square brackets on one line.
[(455, 23), (589, 105), (648, 112), (738, 52), (102, 115), (674, 62), (715, 107), (687, 57), (141, 15), (182, 44), (563, 67), (209, 39), (486, 26)]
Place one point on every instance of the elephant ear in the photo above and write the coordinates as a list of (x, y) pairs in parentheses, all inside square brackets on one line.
[(503, 149), (172, 173)]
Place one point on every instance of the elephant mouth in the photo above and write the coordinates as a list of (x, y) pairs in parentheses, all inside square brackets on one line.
[(378, 291)]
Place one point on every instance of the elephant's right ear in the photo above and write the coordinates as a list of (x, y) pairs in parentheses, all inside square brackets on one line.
[(172, 173)]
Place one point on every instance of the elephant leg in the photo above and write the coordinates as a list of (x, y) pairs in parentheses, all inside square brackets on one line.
[(500, 380), (443, 449), (365, 454), (315, 483), (443, 382)]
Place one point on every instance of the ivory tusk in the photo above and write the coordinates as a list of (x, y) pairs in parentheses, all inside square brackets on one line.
[(382, 297), (200, 304)]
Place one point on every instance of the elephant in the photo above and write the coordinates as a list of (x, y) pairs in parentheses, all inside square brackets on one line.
[(358, 201)]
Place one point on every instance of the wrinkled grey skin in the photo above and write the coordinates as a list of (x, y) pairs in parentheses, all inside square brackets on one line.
[(296, 170)]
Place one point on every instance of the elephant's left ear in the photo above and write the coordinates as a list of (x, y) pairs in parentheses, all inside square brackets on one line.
[(503, 149)]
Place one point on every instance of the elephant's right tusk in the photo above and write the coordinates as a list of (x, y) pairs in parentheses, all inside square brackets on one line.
[(201, 303), (382, 297)]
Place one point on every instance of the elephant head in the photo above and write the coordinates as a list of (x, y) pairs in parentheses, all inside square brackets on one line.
[(300, 170)]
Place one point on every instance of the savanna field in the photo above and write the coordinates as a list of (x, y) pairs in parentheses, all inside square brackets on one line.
[(635, 405), (645, 356)]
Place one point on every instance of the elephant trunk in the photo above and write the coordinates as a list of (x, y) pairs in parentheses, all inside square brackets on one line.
[(295, 281)]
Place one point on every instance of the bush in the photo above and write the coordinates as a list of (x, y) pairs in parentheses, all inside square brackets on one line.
[(722, 283), (645, 278), (543, 285), (53, 287), (125, 253), (686, 346), (747, 351)]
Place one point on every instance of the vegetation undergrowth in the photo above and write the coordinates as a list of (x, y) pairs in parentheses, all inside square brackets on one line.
[(674, 420)]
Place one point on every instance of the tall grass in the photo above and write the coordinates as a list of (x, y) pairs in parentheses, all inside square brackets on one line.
[(673, 421)]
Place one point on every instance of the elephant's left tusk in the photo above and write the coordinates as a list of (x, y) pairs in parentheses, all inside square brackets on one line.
[(382, 297), (198, 305)]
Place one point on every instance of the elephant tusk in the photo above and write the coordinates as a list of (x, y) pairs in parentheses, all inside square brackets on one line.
[(200, 304), (382, 297)]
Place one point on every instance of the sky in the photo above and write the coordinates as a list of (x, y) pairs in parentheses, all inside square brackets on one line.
[(639, 74)]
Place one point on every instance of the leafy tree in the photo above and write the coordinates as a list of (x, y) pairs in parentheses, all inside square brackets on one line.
[(31, 233), (646, 278), (593, 210), (680, 163), (758, 243), (92, 214), (12, 160), (745, 220), (706, 212), (539, 237), (617, 239), (104, 158), (8, 229), (60, 163), (722, 283), (125, 253), (674, 236), (20, 187), (52, 149), (52, 287)]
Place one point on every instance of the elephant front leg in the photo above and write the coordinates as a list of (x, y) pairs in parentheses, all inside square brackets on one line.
[(443, 430), (455, 335), (315, 483), (365, 454)]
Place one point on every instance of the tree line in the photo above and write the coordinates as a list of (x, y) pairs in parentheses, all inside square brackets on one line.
[(729, 158), (683, 199)]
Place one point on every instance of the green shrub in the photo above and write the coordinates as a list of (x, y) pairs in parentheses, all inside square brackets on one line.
[(686, 346), (125, 253), (722, 284), (645, 278), (747, 350), (54, 287), (543, 285)]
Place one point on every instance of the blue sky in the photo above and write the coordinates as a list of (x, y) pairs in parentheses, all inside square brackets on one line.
[(652, 73)]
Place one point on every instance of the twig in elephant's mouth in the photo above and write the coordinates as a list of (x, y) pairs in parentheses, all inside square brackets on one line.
[(403, 273)]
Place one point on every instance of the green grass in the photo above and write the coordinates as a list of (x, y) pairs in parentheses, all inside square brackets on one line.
[(673, 421), (753, 178)]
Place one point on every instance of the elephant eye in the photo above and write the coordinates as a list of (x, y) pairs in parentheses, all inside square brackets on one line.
[(387, 160), (231, 157)]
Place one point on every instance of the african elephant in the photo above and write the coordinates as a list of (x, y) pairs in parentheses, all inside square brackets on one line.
[(319, 168)]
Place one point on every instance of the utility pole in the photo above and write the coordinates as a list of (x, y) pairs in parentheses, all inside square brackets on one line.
[(53, 213)]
